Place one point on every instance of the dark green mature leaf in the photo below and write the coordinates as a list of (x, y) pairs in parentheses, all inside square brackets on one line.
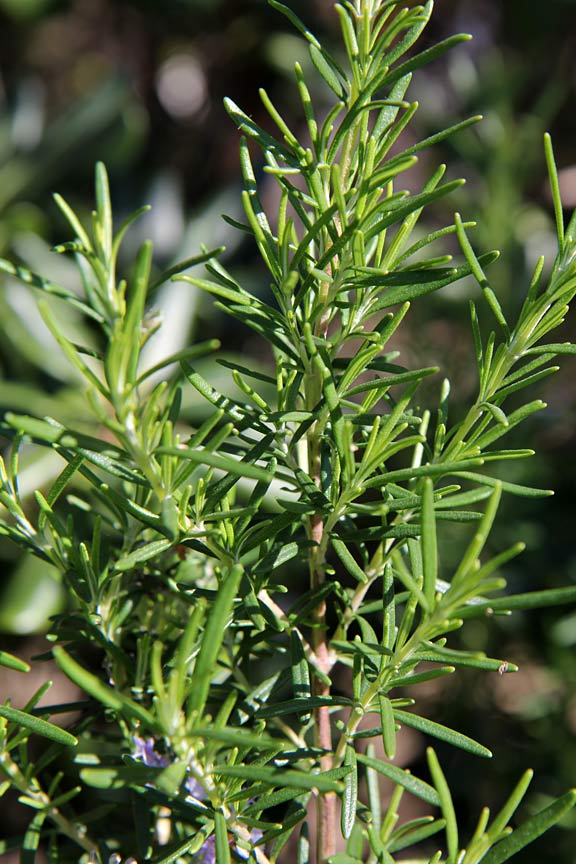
[(409, 284), (296, 706), (223, 463), (531, 600), (403, 778), (101, 691), (213, 637), (435, 654), (278, 777), (443, 733), (38, 726)]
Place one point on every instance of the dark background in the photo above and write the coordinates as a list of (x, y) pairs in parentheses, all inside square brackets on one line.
[(140, 86)]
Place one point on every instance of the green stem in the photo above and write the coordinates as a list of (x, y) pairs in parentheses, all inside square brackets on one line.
[(31, 789)]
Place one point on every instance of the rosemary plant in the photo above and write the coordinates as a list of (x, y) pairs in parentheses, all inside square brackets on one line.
[(214, 722)]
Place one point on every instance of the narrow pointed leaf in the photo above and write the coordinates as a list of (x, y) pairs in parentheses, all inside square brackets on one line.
[(213, 637), (38, 726), (446, 804), (443, 733), (100, 691), (530, 830), (12, 662), (403, 778), (350, 794)]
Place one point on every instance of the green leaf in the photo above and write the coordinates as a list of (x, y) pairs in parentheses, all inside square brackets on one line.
[(300, 672), (348, 560), (471, 555), (48, 287), (189, 353), (213, 637), (427, 827), (446, 804), (553, 348), (403, 778), (531, 829), (388, 726), (202, 456), (531, 600), (192, 845), (476, 268), (429, 543), (254, 131), (236, 737), (142, 554), (32, 838), (350, 793), (555, 189), (512, 488), (38, 726), (100, 691), (388, 77), (279, 777), (443, 733), (499, 826), (478, 660), (295, 21), (392, 381), (303, 846), (327, 69), (432, 140), (296, 706), (46, 431), (12, 662), (176, 270), (222, 845), (434, 470)]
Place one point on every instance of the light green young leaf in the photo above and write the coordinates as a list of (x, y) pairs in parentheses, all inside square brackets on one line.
[(446, 805), (478, 272), (531, 829), (12, 662), (555, 189)]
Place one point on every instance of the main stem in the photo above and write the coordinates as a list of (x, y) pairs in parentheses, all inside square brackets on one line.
[(326, 801)]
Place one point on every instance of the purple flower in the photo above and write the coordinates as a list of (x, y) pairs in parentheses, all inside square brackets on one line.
[(144, 750), (194, 788), (207, 852)]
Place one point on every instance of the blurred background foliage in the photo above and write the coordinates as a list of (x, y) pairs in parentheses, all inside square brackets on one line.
[(139, 84)]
